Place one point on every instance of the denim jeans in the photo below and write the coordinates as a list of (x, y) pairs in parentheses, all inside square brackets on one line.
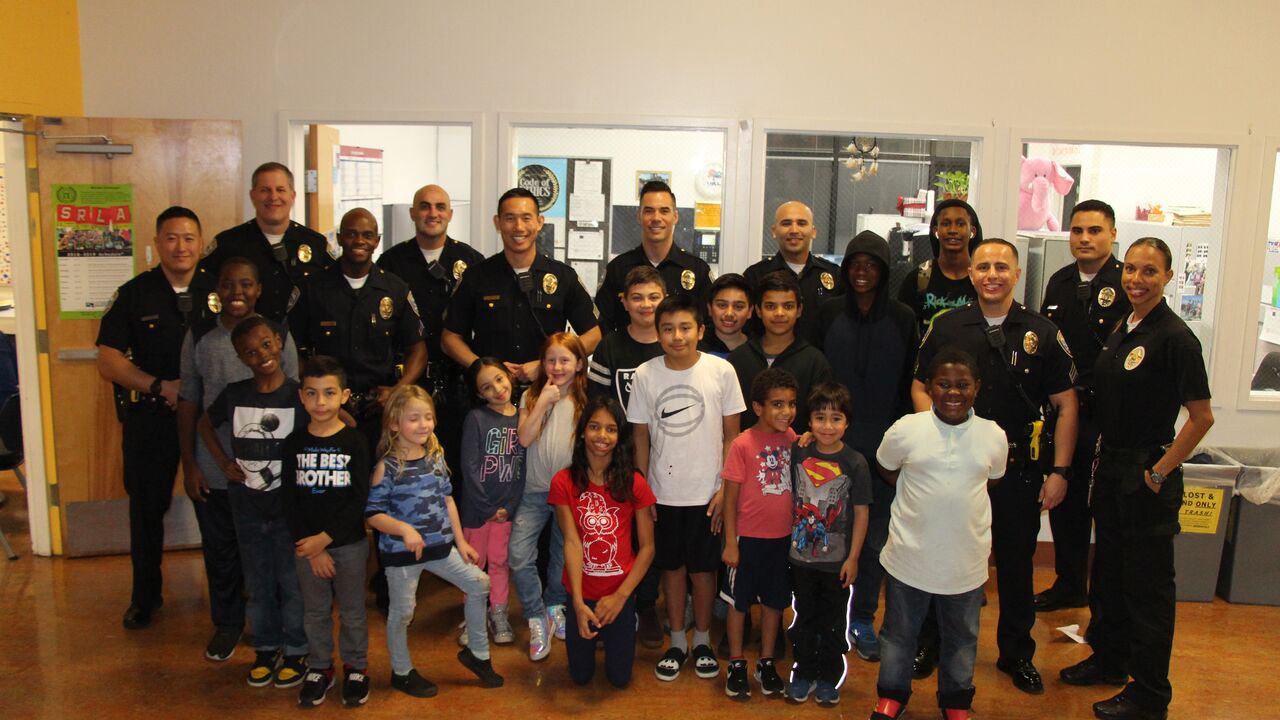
[(402, 587), (905, 608), (271, 576), (866, 589), (522, 556)]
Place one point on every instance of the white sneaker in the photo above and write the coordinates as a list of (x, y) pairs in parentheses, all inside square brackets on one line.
[(557, 618), (463, 640), (539, 637)]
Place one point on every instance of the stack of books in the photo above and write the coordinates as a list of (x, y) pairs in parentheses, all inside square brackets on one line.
[(1191, 216)]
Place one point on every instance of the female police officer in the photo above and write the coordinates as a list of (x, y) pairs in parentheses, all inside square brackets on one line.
[(1149, 368)]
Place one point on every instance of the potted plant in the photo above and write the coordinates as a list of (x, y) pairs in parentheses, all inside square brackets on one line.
[(953, 184)]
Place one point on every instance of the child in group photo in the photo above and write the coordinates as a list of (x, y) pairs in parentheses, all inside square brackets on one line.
[(411, 505), (598, 499), (757, 528), (492, 483), (261, 412), (831, 492), (549, 411), (942, 460), (325, 476), (684, 410)]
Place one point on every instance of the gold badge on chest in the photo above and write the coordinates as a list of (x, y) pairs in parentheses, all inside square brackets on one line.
[(550, 284), (1135, 357), (459, 267), (304, 253), (1030, 343), (215, 303), (688, 279), (1106, 296), (827, 281), (385, 306)]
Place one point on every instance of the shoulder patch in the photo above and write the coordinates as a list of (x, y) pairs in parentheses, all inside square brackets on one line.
[(210, 247), (293, 298), (413, 304), (1062, 342), (335, 252), (114, 296)]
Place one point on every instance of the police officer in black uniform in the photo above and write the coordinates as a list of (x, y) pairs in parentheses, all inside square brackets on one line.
[(432, 263), (285, 253), (683, 272), (1025, 365), (366, 318), (139, 349), (820, 279), (1085, 300), (1151, 367), (506, 306)]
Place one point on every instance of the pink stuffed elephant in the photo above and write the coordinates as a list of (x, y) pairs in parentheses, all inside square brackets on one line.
[(1038, 175)]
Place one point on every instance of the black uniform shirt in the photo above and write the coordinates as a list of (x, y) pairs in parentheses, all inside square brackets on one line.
[(432, 284), (682, 272), (1034, 347), (145, 321), (1143, 377), (820, 279), (306, 253), (367, 330), (495, 317), (1086, 322)]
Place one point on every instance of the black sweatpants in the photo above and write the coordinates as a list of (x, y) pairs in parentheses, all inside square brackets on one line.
[(619, 638), (820, 631), (221, 560)]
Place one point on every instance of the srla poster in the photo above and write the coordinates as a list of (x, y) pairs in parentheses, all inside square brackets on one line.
[(93, 225)]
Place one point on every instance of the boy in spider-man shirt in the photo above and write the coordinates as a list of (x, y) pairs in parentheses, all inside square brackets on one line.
[(831, 488)]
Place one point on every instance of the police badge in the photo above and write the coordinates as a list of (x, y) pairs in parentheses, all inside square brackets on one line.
[(827, 281), (459, 267), (550, 284), (385, 306), (1135, 357), (1030, 342), (214, 303), (304, 253), (1106, 296), (687, 280)]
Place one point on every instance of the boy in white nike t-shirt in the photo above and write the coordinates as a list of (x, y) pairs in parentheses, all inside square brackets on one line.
[(942, 461), (684, 408)]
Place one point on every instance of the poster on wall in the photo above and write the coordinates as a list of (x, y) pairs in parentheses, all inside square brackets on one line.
[(548, 179), (93, 227)]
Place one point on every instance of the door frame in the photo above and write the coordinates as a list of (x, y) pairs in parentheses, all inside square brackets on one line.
[(33, 364)]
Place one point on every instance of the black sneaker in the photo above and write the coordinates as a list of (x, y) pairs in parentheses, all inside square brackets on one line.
[(264, 664), (704, 662), (482, 668), (137, 617), (291, 670), (767, 676), (315, 686), (735, 684), (222, 645), (355, 687), (414, 684)]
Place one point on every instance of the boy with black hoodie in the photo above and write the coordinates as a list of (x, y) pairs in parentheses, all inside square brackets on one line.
[(942, 283), (870, 340), (779, 305)]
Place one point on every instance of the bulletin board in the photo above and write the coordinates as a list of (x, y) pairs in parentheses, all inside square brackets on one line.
[(578, 216)]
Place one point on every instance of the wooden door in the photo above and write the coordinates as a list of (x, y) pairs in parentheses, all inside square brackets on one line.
[(321, 162), (193, 163)]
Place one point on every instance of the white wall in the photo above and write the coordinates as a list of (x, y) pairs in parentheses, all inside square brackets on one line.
[(1119, 76)]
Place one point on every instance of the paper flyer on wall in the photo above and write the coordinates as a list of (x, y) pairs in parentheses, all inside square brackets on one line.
[(93, 225)]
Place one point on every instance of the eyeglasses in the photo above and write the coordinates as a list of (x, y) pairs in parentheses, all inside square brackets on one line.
[(369, 235)]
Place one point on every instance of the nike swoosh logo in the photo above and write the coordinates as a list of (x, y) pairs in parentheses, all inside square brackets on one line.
[(668, 413)]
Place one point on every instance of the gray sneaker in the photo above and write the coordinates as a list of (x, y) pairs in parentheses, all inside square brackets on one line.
[(540, 637), (500, 624)]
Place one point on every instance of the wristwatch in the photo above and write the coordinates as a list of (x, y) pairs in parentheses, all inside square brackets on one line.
[(155, 387), (1156, 477), (1063, 470)]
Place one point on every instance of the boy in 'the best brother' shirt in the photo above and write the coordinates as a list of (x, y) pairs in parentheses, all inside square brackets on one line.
[(326, 484), (684, 408)]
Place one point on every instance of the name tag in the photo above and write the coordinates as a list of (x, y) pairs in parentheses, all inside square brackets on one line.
[(491, 298), (328, 323), (150, 318)]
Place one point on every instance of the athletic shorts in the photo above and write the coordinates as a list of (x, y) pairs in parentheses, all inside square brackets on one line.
[(683, 539), (762, 575)]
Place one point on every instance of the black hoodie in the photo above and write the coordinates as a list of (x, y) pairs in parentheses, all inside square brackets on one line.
[(871, 354)]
